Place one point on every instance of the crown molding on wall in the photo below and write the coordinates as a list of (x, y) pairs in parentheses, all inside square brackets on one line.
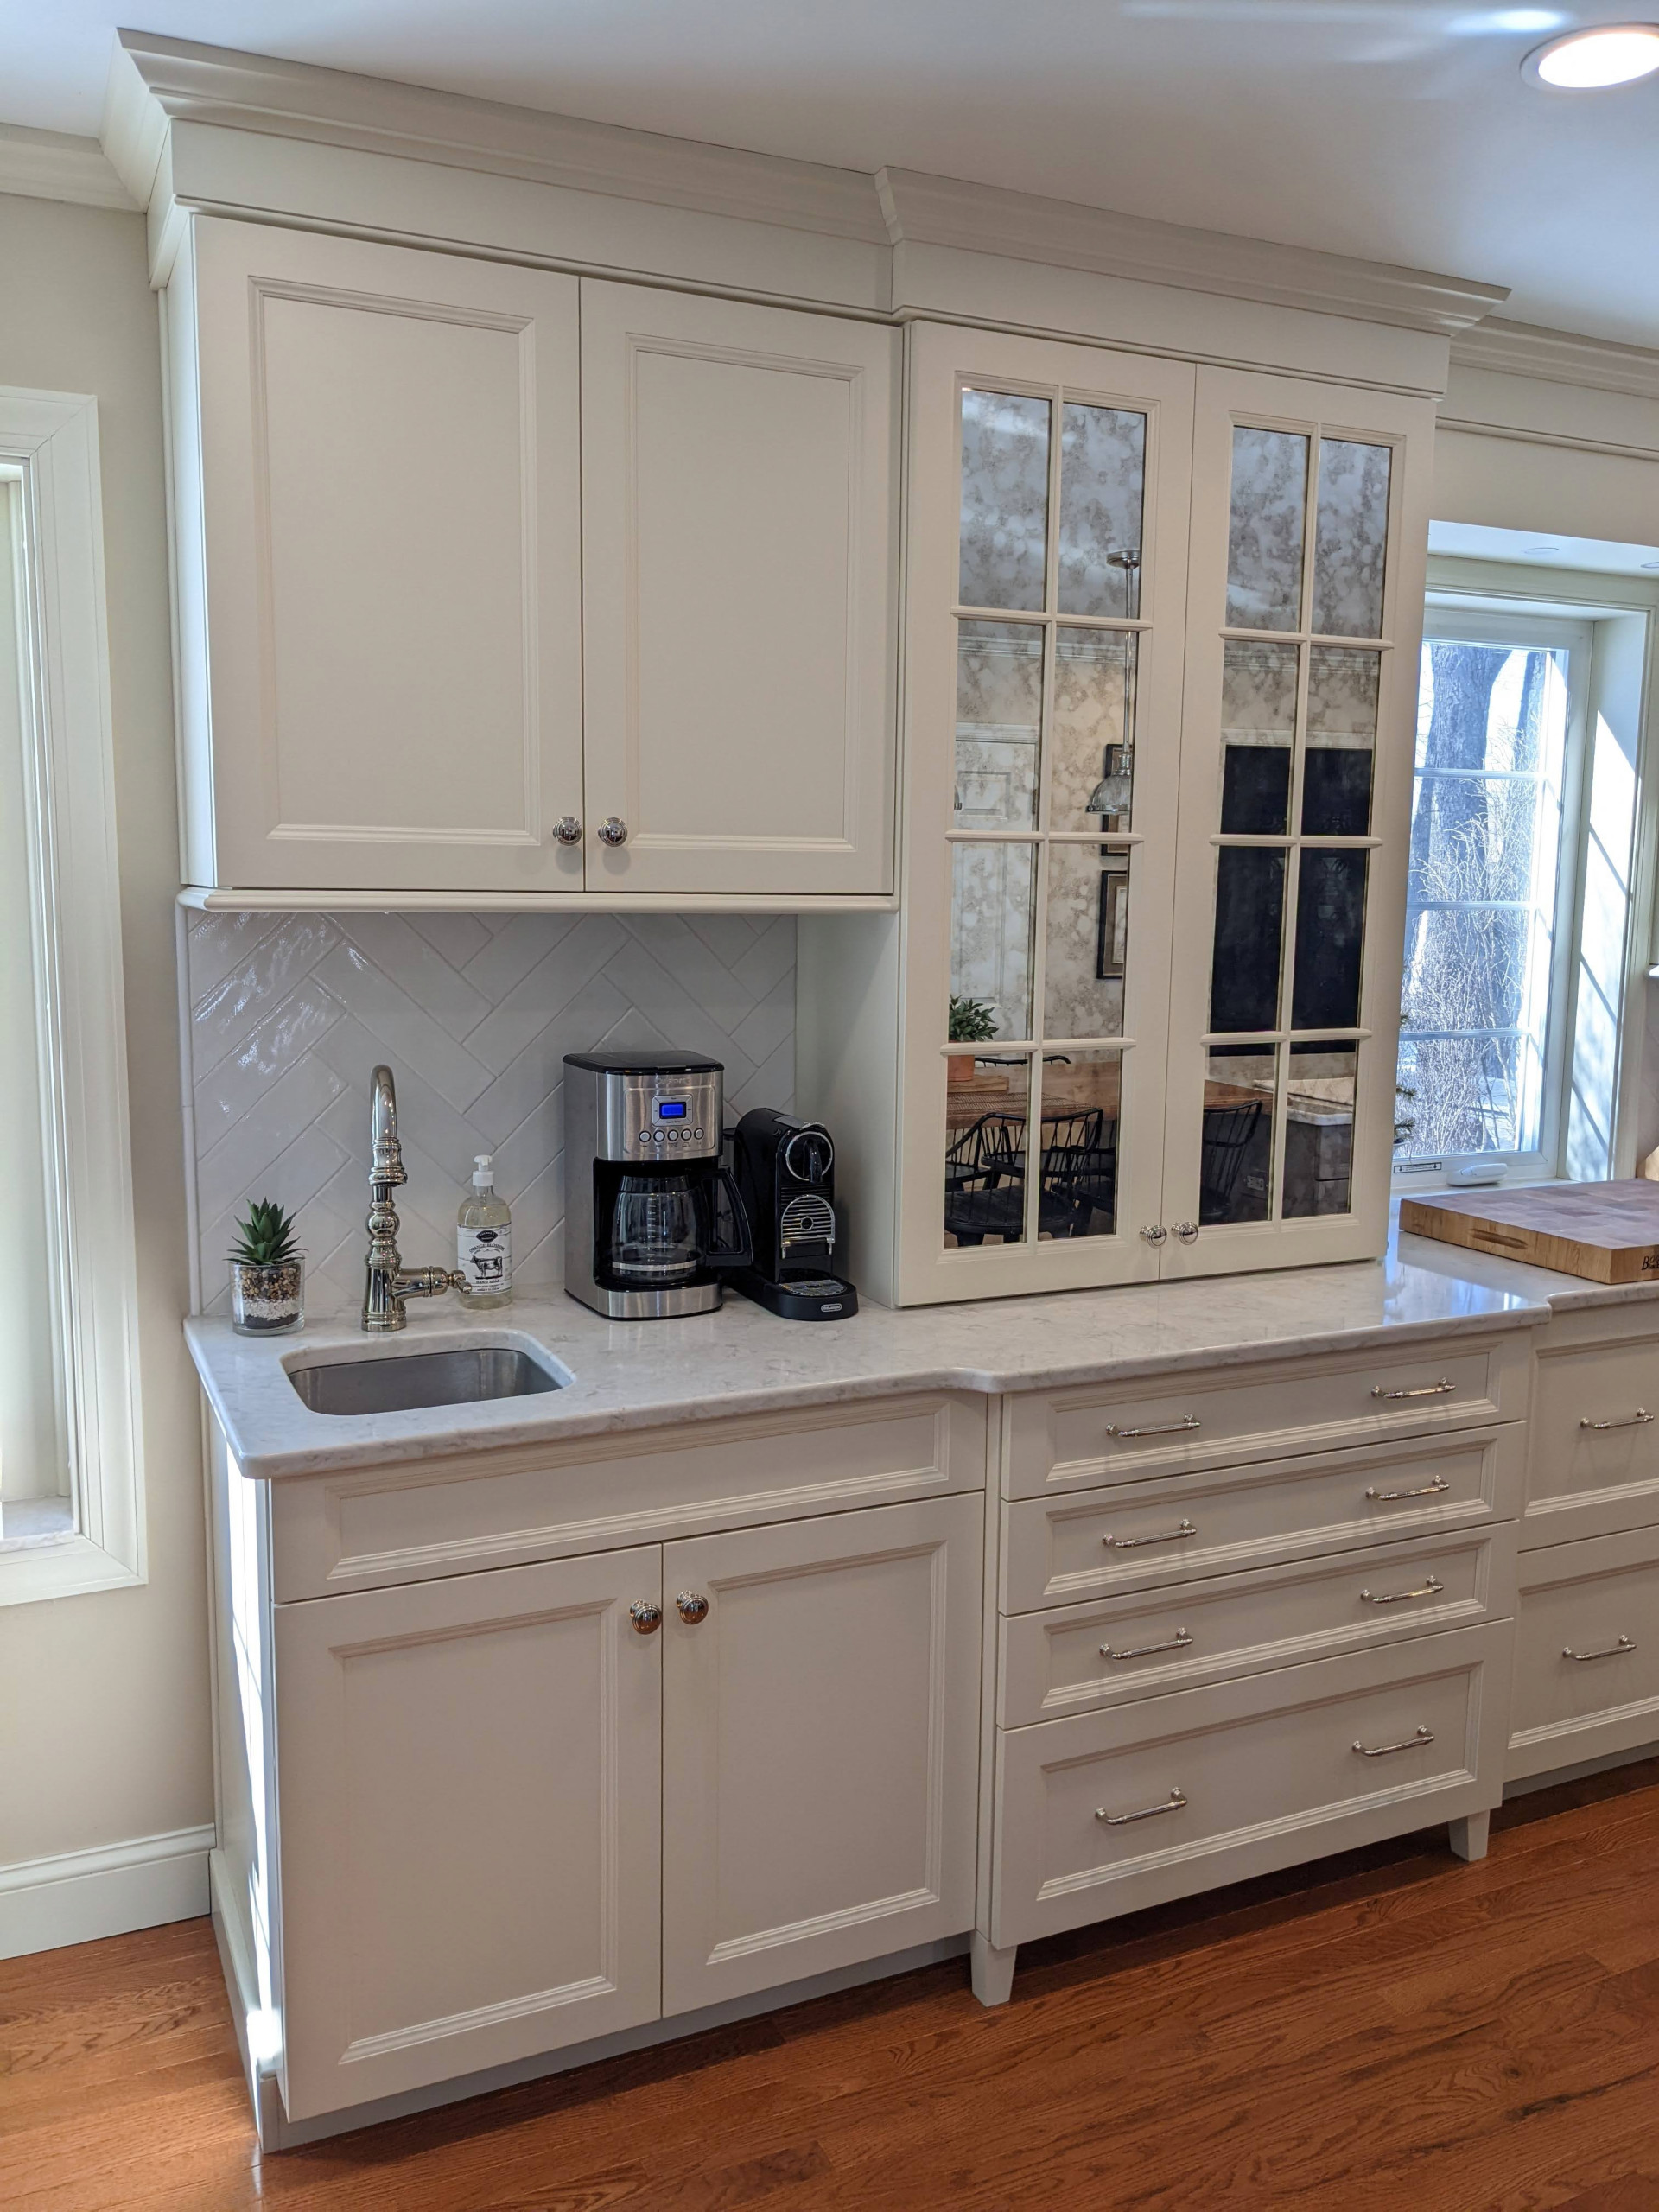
[(53, 165), (155, 81), (985, 219), (1526, 349)]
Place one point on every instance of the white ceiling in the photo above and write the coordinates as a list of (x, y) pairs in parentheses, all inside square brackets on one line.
[(1472, 541), (1395, 130)]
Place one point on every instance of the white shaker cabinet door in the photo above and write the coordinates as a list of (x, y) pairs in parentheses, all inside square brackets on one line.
[(820, 1745), (379, 570), (739, 527), (470, 1792)]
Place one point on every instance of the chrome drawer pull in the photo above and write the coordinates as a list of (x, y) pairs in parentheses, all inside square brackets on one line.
[(1147, 1813), (1631, 1420), (1430, 1589), (1179, 1642), (1169, 1428), (1440, 1389), (1389, 1496), (1163, 1536), (1607, 1651), (1381, 1751)]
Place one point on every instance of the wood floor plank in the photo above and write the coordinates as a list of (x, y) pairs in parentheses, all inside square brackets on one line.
[(1395, 2032)]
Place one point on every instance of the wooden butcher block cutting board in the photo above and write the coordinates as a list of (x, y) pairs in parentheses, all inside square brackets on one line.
[(1606, 1231)]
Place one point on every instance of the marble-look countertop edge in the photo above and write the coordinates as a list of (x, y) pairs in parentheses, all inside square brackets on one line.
[(445, 1434)]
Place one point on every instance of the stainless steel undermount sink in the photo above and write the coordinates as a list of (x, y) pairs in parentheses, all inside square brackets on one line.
[(403, 1382)]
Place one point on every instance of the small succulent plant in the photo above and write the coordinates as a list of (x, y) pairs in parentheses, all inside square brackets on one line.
[(265, 1236), (972, 1021)]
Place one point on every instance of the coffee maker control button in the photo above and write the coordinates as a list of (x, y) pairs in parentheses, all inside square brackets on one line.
[(697, 1133), (658, 1135)]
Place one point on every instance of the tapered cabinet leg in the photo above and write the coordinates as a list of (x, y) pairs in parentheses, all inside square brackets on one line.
[(993, 1971), (1468, 1837)]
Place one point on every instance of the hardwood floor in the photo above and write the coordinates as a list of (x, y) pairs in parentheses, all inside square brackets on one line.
[(1393, 2029)]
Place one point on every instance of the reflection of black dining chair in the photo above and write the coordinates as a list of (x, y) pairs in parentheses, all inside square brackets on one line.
[(1227, 1131), (1079, 1174), (985, 1181)]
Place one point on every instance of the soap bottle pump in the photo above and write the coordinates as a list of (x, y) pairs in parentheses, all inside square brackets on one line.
[(484, 1238)]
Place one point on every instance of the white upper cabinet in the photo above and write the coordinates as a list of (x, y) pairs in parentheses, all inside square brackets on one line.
[(739, 533), (378, 511), (396, 475)]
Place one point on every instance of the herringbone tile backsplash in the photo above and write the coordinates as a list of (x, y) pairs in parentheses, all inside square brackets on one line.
[(474, 1015)]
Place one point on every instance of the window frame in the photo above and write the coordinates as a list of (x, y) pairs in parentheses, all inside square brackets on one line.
[(49, 451), (1475, 622)]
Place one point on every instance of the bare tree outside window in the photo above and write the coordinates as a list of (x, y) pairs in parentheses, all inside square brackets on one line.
[(1481, 896)]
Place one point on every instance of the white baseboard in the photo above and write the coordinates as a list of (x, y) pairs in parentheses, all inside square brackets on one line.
[(110, 1891)]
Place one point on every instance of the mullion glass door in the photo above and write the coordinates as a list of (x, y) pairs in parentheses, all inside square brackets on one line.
[(1048, 633), (1289, 836)]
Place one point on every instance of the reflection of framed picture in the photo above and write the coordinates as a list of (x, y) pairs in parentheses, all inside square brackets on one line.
[(1112, 933)]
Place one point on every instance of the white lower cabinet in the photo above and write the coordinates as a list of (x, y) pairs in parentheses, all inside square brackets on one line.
[(522, 1808), (820, 1746), (469, 1783), (1587, 1658), (1110, 1811)]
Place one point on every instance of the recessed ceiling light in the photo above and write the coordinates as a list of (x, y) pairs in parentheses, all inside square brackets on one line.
[(1585, 61), (1538, 552), (1650, 564)]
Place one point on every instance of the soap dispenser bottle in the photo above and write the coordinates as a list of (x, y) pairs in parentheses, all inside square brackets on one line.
[(484, 1239)]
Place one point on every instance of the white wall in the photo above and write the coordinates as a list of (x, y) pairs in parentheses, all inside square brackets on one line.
[(103, 1698)]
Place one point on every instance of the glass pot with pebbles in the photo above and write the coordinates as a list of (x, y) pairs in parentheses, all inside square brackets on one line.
[(267, 1273)]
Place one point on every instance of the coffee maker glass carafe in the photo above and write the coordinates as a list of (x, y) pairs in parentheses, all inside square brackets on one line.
[(655, 1237)]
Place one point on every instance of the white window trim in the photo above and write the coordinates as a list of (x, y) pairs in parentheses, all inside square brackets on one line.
[(48, 440)]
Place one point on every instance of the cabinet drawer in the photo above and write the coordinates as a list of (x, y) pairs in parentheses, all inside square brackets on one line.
[(1593, 1460), (1081, 1657), (1065, 1439), (1137, 1535), (1107, 1812), (1598, 1601), (411, 1522)]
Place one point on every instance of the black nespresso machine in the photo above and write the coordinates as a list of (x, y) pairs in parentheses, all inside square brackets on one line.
[(645, 1189), (785, 1172)]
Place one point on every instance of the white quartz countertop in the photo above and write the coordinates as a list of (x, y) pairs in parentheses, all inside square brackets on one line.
[(743, 1360)]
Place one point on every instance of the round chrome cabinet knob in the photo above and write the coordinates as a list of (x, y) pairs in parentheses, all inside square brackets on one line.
[(569, 831), (613, 831), (1154, 1233), (647, 1617), (1187, 1231), (693, 1607)]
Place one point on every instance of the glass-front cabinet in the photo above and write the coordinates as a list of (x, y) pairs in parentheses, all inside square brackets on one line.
[(1156, 759)]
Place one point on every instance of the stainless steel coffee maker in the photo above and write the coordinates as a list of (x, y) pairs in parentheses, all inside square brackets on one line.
[(652, 1222)]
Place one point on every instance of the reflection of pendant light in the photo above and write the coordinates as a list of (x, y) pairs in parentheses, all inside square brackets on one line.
[(1111, 794)]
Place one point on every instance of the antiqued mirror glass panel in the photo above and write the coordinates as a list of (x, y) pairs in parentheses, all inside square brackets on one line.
[(1351, 543), (1078, 1162), (1319, 1092), (1343, 684), (1266, 529), (999, 724), (1250, 932), (1092, 740), (987, 1101), (1258, 729), (1330, 937), (1088, 941), (1004, 541), (1103, 491), (1235, 1145), (993, 906)]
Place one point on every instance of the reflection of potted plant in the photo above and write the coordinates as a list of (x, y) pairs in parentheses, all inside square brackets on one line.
[(971, 1022), (267, 1273)]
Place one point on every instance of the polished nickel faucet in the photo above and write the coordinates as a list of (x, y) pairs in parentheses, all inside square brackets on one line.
[(389, 1282)]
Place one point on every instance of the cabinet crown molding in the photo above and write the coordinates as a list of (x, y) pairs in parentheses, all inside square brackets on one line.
[(1526, 349), (987, 219), (56, 165), (157, 81)]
